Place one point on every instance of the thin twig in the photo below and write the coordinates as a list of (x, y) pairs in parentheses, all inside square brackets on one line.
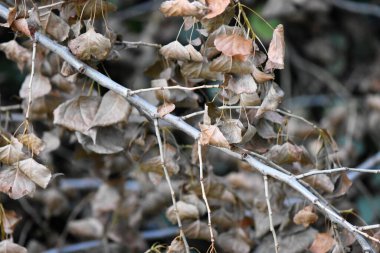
[(167, 177), (31, 80), (51, 5), (135, 44), (335, 170), (271, 227), (369, 227), (8, 108), (201, 179), (176, 87)]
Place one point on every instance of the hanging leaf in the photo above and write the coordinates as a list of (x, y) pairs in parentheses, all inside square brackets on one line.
[(322, 243), (14, 52), (235, 240), (40, 86), (272, 100), (276, 52), (231, 130), (305, 217), (233, 45), (198, 230), (165, 108), (242, 84), (9, 246), (35, 171), (183, 8), (86, 228), (90, 46), (32, 142), (261, 77), (185, 211), (216, 7), (54, 25), (211, 135), (15, 183), (194, 54), (176, 51), (286, 153), (12, 152)]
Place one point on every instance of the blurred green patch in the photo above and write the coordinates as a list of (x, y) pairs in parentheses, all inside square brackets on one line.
[(260, 27)]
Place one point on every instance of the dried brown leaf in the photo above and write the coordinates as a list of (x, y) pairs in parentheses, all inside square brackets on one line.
[(40, 86), (106, 199), (276, 52), (234, 240), (272, 100), (194, 54), (242, 84), (231, 130), (12, 152), (54, 26), (15, 183), (90, 46), (306, 216), (184, 8), (198, 230), (165, 108), (285, 153), (261, 77), (9, 221), (86, 228), (7, 246), (321, 182), (175, 50), (216, 7), (211, 135), (14, 52), (322, 243), (32, 142), (35, 171), (185, 211), (233, 45)]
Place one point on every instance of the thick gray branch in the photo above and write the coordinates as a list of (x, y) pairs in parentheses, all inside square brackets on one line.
[(151, 111)]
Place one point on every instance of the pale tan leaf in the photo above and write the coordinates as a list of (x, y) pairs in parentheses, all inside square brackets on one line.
[(194, 54), (15, 183), (211, 135), (198, 230), (320, 182), (322, 243), (242, 84), (9, 221), (185, 211), (276, 52), (285, 154), (90, 46), (261, 77), (234, 240), (227, 64), (249, 133), (32, 142), (231, 130), (176, 51), (7, 246), (233, 45), (216, 7), (305, 217), (106, 199), (40, 86), (86, 228), (35, 171), (77, 113), (272, 100), (177, 246), (113, 109), (14, 52), (200, 70), (12, 152), (251, 99), (184, 8), (165, 108), (54, 25)]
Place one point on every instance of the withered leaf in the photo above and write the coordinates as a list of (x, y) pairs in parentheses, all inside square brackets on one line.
[(11, 17), (276, 52), (185, 211), (77, 113), (9, 246), (12, 152), (320, 182), (198, 230), (86, 228), (15, 183), (113, 109), (200, 70), (194, 54), (242, 84), (306, 216), (249, 133), (228, 64), (35, 171), (234, 240), (32, 142), (153, 164), (165, 108), (105, 200), (285, 153), (54, 25), (233, 45), (40, 86), (14, 52), (9, 220), (177, 246), (231, 130), (261, 77), (184, 8), (211, 135), (216, 7), (175, 50), (90, 46), (272, 100), (322, 243)]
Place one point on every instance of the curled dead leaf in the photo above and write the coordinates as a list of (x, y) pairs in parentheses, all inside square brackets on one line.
[(216, 7), (14, 52), (272, 100), (185, 211), (165, 108), (194, 54), (32, 142), (40, 86), (233, 45), (305, 217), (184, 8), (211, 135), (198, 230), (242, 84), (322, 243), (276, 51), (176, 51)]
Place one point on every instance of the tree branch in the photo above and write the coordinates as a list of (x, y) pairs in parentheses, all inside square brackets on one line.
[(151, 112)]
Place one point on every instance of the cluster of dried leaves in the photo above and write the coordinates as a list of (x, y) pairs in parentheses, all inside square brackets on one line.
[(225, 51)]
